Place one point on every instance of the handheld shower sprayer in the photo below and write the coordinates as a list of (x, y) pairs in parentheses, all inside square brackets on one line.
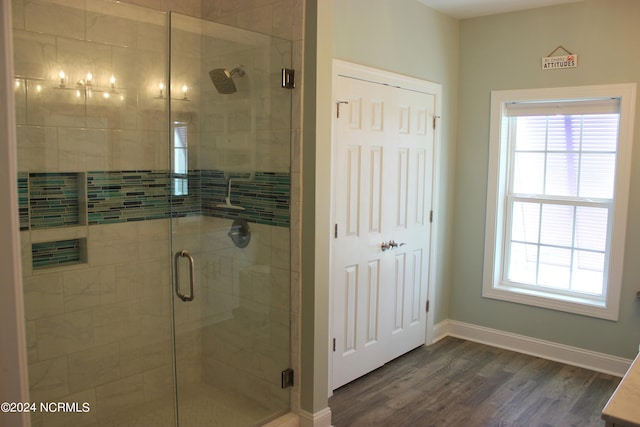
[(227, 200)]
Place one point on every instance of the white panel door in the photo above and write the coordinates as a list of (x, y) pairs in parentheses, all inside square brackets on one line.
[(410, 142), (357, 269), (383, 154)]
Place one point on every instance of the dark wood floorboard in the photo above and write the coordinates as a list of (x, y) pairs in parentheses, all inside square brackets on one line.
[(460, 383)]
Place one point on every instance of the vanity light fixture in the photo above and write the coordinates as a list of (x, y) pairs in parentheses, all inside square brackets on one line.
[(161, 93), (28, 83)]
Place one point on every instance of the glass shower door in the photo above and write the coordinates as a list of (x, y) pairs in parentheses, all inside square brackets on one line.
[(230, 139)]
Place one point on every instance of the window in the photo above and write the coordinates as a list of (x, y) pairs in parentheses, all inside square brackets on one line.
[(180, 160), (557, 197)]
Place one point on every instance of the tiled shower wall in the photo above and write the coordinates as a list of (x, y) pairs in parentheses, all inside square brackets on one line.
[(99, 328), (98, 321)]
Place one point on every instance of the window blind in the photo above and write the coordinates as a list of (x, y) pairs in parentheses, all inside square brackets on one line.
[(560, 196), (563, 107)]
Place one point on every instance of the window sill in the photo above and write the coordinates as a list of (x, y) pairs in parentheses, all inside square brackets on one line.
[(575, 305)]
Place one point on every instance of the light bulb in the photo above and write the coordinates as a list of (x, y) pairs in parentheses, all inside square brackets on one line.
[(161, 87), (38, 88), (184, 91), (62, 76), (17, 83), (112, 80), (89, 78)]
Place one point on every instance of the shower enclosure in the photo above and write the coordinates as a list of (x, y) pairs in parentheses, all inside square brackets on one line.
[(154, 215)]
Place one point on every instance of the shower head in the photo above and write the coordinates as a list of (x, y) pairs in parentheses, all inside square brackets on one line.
[(223, 79)]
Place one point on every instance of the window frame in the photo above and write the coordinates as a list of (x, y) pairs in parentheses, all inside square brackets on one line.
[(179, 178), (496, 213)]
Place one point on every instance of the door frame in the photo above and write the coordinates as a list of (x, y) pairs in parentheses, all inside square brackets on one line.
[(374, 75)]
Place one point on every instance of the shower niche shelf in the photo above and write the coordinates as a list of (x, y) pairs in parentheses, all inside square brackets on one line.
[(56, 199), (58, 253)]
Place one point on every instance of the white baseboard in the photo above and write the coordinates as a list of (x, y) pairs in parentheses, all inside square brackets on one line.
[(288, 420), (319, 419), (574, 356)]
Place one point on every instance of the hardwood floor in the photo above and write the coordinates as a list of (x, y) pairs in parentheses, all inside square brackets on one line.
[(460, 383)]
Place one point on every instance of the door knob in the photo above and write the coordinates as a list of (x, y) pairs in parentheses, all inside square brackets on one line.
[(393, 244), (390, 245)]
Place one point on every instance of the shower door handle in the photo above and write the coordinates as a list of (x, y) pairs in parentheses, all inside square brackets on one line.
[(176, 263)]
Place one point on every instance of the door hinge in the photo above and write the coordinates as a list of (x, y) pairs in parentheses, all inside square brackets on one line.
[(338, 108), (434, 121), (430, 216), (427, 307), (288, 78), (335, 231), (287, 378), (334, 344)]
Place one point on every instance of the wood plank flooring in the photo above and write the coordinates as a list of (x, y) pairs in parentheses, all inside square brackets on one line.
[(460, 383)]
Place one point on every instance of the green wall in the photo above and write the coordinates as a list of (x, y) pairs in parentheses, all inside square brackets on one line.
[(503, 52), (406, 37)]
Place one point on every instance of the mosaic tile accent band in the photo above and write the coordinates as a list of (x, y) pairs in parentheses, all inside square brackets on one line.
[(51, 199), (52, 254), (124, 196), (23, 200), (264, 197)]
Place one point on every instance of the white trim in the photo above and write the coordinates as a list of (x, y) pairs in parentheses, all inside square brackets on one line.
[(290, 419), (375, 75), (440, 331), (494, 230), (362, 72), (595, 361), (14, 386), (321, 418)]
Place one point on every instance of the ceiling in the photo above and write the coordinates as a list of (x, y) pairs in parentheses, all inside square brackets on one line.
[(463, 9)]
